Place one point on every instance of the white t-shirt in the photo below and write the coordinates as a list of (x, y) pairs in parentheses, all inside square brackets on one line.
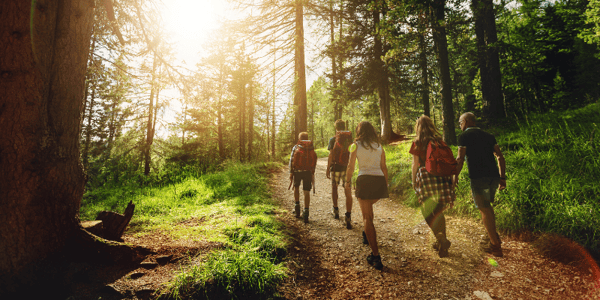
[(369, 160)]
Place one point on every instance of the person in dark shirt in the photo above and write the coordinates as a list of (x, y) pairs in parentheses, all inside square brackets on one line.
[(486, 172), (337, 172)]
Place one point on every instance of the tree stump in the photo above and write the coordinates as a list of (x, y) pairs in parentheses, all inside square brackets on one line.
[(114, 224)]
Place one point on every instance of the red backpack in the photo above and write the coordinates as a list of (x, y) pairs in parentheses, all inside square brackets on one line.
[(305, 158), (343, 139), (439, 160)]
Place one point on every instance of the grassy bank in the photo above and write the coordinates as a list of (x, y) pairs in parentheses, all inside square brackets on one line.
[(553, 169), (237, 212)]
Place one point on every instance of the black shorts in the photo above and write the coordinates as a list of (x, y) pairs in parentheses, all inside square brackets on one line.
[(305, 177), (371, 187)]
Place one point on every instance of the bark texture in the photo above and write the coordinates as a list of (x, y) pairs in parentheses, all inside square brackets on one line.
[(42, 74), (300, 80), (488, 59), (441, 46)]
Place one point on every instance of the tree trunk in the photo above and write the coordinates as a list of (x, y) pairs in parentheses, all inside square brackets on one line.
[(273, 123), (337, 108), (423, 66), (300, 78), (250, 122), (441, 45), (149, 132), (488, 58), (383, 86), (242, 118), (42, 87), (88, 129)]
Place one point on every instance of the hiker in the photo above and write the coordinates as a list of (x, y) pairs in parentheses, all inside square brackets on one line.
[(371, 184), (486, 172), (303, 161), (435, 193), (336, 165)]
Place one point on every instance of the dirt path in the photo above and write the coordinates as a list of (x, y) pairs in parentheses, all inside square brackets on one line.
[(328, 261)]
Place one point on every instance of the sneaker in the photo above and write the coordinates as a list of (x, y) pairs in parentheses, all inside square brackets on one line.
[(336, 213), (297, 210), (365, 241), (443, 244), (492, 249), (348, 221), (375, 261), (305, 215)]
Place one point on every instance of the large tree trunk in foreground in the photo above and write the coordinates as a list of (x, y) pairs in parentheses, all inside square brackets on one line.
[(42, 87)]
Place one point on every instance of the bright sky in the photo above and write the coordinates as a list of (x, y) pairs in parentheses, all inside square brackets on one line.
[(190, 23)]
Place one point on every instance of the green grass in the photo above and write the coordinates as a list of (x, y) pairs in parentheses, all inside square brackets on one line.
[(235, 208), (553, 170)]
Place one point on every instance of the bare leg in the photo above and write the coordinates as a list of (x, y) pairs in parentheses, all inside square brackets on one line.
[(297, 194), (489, 222), (366, 206), (348, 200), (334, 193), (306, 199)]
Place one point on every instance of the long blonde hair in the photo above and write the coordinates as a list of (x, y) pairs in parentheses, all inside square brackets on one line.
[(426, 132)]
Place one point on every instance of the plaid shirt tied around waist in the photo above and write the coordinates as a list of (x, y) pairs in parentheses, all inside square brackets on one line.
[(437, 187)]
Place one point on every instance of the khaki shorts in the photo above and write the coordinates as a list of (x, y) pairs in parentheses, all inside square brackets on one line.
[(337, 176)]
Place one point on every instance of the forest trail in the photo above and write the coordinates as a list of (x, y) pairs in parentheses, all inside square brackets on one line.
[(328, 261)]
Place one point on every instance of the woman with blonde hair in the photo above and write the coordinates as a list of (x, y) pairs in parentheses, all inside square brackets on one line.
[(371, 184), (435, 193)]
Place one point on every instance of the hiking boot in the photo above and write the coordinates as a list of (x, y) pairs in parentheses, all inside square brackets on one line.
[(365, 241), (436, 246), (375, 261), (492, 249), (443, 244), (336, 213), (305, 215), (297, 210), (348, 221)]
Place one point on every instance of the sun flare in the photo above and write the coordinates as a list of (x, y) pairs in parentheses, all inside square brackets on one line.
[(189, 24)]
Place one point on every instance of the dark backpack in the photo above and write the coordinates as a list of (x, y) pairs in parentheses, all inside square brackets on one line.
[(439, 160), (343, 139), (305, 158)]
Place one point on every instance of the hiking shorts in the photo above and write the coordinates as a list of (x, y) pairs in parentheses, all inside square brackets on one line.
[(338, 173), (305, 177), (484, 190)]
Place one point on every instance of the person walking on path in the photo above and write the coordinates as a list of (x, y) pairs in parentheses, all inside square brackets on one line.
[(336, 166), (371, 184), (303, 162), (435, 193), (487, 174)]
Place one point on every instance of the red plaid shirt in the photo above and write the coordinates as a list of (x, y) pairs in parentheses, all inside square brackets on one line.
[(437, 187)]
